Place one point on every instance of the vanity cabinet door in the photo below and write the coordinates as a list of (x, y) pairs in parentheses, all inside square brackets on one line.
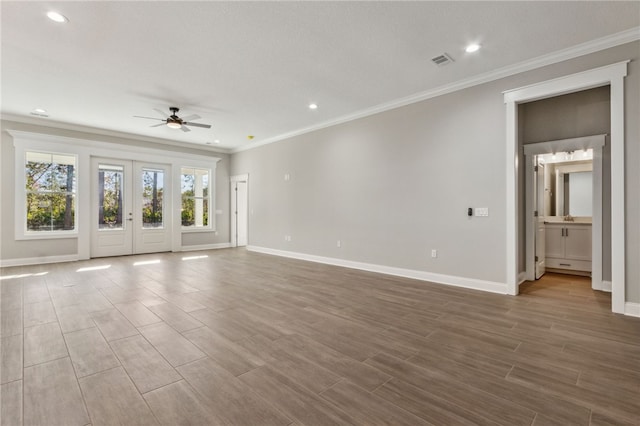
[(554, 241), (578, 242)]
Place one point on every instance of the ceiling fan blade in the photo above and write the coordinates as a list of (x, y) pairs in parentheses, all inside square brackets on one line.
[(160, 124), (148, 118), (191, 117), (206, 126), (185, 128), (161, 112)]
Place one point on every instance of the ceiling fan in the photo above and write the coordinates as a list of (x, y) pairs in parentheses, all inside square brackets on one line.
[(175, 122)]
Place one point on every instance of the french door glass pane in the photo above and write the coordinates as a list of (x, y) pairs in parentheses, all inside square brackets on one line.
[(110, 191), (152, 198)]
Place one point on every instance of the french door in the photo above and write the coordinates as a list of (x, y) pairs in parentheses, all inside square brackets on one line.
[(131, 207)]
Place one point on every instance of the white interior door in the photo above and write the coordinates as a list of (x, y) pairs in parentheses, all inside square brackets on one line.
[(540, 194), (239, 211), (130, 207)]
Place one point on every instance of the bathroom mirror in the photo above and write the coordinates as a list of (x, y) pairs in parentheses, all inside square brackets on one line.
[(574, 190)]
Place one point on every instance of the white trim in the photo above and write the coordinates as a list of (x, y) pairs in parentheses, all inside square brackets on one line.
[(521, 278), (592, 46), (112, 149), (233, 182), (632, 309), (38, 260), (212, 226), (471, 283), (85, 149), (46, 122), (200, 247), (21, 233), (573, 144), (240, 178), (612, 75), (511, 219), (606, 286)]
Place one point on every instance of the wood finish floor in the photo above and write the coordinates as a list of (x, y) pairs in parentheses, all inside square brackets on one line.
[(236, 338)]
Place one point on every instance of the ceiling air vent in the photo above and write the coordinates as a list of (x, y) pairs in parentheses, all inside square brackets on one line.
[(442, 60)]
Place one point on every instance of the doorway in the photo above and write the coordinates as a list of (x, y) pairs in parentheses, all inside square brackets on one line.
[(239, 211), (564, 216), (130, 207), (612, 75)]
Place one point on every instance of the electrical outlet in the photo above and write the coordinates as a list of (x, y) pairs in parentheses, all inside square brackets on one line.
[(339, 244), (434, 253), (287, 237)]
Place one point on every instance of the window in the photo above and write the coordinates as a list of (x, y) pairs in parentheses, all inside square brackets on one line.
[(152, 198), (194, 184), (50, 189), (110, 194)]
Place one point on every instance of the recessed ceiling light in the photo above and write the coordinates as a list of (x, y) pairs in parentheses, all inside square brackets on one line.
[(40, 112), (216, 141), (472, 48), (313, 106), (57, 17)]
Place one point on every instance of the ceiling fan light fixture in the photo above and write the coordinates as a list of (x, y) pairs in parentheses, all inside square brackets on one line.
[(173, 124)]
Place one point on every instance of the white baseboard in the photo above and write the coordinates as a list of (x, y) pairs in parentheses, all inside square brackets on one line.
[(205, 247), (606, 286), (632, 309), (489, 286), (38, 260)]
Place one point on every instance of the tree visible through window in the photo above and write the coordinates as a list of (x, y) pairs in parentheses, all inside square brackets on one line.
[(194, 185), (110, 181), (50, 191), (152, 196)]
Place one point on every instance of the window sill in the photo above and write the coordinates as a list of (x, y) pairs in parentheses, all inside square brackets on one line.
[(47, 236), (194, 230)]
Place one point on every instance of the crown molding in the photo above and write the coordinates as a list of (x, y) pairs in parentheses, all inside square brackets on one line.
[(104, 132), (613, 40)]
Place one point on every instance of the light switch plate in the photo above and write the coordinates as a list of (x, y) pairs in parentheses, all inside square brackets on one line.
[(482, 211)]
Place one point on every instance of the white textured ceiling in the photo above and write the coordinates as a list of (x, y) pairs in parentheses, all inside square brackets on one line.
[(251, 68)]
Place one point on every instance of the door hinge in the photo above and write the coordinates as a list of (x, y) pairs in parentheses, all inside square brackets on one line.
[(535, 213), (536, 258), (535, 168)]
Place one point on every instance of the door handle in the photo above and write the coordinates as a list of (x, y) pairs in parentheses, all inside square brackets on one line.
[(130, 218)]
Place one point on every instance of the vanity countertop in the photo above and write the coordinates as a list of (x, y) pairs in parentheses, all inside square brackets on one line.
[(560, 220)]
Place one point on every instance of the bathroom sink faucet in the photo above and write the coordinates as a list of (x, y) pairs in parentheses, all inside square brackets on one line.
[(568, 218)]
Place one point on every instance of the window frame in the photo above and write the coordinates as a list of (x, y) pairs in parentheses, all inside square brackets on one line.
[(21, 229), (210, 227)]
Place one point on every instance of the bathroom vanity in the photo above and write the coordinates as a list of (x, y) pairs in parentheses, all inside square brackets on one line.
[(568, 246)]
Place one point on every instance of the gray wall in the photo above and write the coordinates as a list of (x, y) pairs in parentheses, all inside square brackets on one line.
[(583, 113), (14, 249), (395, 185)]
